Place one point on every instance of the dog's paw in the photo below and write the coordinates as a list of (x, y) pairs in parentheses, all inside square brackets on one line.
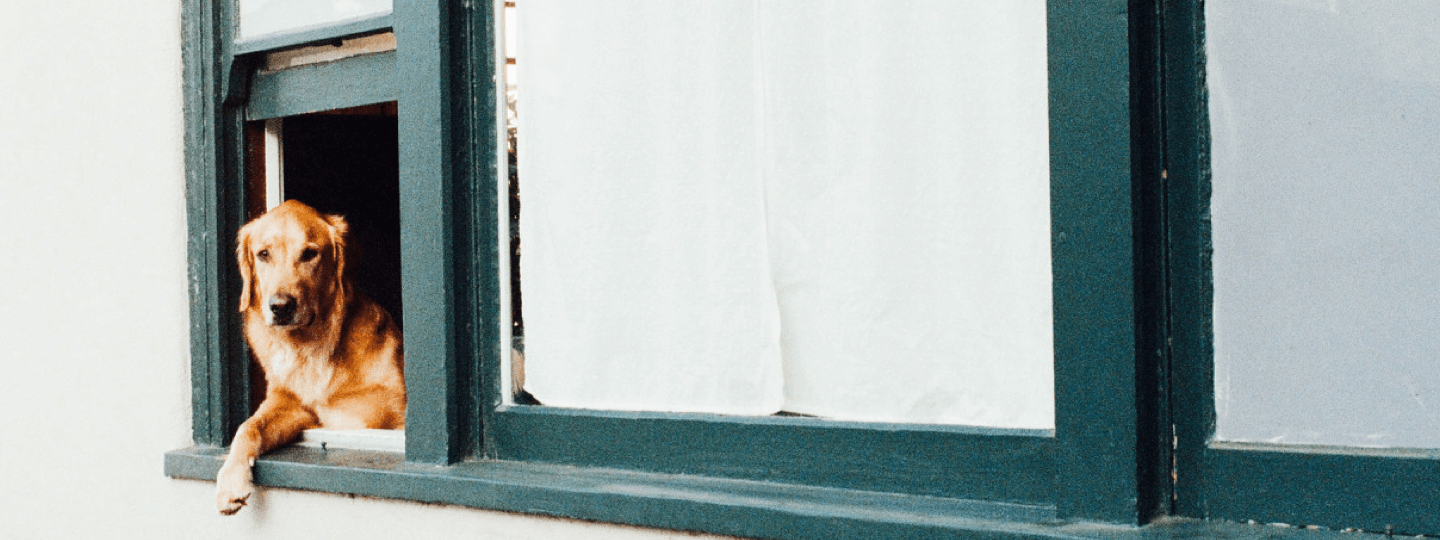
[(233, 487)]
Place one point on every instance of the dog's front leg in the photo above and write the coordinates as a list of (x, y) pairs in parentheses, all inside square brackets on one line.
[(279, 421)]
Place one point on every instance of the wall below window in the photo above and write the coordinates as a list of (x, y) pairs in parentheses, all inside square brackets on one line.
[(94, 330)]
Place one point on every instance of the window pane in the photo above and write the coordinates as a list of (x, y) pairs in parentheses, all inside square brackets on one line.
[(1325, 204), (261, 17), (835, 208)]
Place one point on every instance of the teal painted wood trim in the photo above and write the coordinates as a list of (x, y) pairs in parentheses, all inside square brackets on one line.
[(480, 179), (1187, 165), (717, 506), (1153, 431), (200, 63), (310, 36), (1369, 489), (943, 461), (434, 272), (219, 387), (362, 80), (732, 507), (1093, 246)]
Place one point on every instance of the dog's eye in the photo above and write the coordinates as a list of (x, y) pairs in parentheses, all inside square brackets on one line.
[(308, 255), (263, 255)]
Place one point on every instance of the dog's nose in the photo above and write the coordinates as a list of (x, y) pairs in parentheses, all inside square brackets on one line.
[(282, 309)]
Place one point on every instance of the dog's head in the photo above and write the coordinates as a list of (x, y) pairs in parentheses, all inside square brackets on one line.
[(292, 264)]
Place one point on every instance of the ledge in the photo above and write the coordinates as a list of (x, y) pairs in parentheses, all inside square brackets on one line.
[(718, 506), (380, 440)]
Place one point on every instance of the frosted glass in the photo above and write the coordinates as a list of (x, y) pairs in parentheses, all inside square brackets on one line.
[(261, 17), (1327, 243), (836, 208)]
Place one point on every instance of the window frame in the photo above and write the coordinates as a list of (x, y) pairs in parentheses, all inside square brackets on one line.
[(223, 90), (1094, 327), (464, 447), (1377, 490), (361, 80)]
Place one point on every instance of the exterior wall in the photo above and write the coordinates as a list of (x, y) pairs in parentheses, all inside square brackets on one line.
[(94, 382)]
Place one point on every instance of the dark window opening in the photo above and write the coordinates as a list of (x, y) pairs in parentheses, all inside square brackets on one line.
[(517, 319), (344, 162)]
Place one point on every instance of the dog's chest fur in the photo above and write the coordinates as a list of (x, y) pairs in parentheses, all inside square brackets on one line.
[(306, 372)]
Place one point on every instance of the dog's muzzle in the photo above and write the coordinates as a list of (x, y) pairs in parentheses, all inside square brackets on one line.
[(282, 310)]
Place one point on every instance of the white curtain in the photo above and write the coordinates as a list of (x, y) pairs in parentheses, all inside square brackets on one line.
[(837, 208)]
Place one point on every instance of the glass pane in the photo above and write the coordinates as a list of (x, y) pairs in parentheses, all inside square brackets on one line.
[(830, 208), (1326, 147), (261, 17)]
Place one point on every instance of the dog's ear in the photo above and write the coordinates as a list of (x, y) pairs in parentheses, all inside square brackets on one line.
[(247, 268), (339, 235)]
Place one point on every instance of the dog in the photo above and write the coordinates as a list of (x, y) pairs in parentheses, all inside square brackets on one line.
[(332, 357)]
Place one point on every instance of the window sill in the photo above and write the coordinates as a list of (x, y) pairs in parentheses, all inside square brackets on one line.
[(380, 440), (720, 506)]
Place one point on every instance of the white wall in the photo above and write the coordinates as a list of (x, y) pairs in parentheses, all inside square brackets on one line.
[(94, 382)]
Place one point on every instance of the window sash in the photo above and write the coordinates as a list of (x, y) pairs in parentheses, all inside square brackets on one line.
[(1333, 487), (362, 80), (1011, 465), (1094, 452)]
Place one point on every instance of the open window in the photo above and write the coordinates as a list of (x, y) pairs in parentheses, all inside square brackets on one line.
[(342, 158), (699, 468), (1116, 141), (312, 97), (339, 161)]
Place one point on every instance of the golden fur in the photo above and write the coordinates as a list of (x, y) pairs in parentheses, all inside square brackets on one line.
[(332, 357)]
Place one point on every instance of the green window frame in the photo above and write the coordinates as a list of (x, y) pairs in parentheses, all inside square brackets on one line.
[(787, 477), (1130, 267)]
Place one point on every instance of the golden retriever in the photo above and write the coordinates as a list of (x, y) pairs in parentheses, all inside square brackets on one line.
[(332, 357)]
